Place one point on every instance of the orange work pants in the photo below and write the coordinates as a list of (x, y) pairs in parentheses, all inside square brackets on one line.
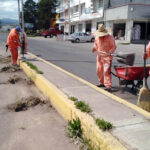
[(104, 70), (14, 55)]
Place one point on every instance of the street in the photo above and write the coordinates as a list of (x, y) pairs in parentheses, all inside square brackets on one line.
[(78, 59)]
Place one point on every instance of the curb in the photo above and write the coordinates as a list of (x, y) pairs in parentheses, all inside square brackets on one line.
[(108, 94), (66, 108)]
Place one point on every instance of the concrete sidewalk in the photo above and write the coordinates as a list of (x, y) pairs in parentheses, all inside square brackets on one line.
[(131, 124)]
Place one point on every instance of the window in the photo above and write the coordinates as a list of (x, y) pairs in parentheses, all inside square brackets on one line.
[(100, 3), (76, 8)]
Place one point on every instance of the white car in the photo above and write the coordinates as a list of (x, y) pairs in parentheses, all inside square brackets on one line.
[(81, 37)]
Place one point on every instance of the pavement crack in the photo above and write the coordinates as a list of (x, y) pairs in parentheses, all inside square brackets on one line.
[(132, 124)]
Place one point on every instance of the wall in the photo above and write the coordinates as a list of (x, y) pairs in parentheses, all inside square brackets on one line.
[(112, 14), (139, 12)]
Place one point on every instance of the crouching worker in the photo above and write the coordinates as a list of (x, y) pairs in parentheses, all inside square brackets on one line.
[(104, 45), (13, 43)]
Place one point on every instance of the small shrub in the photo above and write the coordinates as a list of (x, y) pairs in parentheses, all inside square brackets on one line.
[(104, 125), (74, 128), (83, 106)]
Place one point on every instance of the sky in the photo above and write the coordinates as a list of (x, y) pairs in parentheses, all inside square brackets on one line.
[(9, 9)]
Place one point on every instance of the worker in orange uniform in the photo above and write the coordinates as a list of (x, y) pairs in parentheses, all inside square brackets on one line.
[(146, 54), (104, 45), (13, 43)]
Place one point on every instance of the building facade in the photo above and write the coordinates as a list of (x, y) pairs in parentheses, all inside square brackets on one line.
[(127, 19)]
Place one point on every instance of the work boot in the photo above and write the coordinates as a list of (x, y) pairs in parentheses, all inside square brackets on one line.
[(108, 89), (100, 85)]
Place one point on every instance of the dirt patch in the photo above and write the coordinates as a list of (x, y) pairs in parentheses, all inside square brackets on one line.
[(6, 59), (14, 79), (29, 82), (10, 68), (25, 103)]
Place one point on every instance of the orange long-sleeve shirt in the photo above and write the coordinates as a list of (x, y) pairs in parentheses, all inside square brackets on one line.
[(148, 50), (13, 39), (105, 44)]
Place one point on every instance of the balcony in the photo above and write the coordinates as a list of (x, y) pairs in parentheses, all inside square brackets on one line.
[(59, 9)]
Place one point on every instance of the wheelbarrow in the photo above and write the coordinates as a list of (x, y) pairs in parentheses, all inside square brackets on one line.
[(127, 75)]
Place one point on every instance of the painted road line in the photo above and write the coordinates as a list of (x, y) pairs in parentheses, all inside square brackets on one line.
[(112, 96)]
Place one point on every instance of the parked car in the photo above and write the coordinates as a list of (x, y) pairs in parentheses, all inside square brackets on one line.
[(81, 37), (51, 32)]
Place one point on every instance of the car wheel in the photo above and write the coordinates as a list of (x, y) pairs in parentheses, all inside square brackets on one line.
[(77, 40), (72, 41), (51, 35), (92, 40), (45, 36)]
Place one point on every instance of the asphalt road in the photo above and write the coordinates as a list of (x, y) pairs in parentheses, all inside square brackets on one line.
[(78, 59)]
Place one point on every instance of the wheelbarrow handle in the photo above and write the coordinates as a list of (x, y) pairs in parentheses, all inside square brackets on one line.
[(109, 54)]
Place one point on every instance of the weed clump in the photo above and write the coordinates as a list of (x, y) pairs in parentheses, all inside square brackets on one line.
[(83, 106), (33, 67), (74, 128), (73, 99), (104, 125), (24, 104)]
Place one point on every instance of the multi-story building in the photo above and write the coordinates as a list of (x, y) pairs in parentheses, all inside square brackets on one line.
[(126, 18)]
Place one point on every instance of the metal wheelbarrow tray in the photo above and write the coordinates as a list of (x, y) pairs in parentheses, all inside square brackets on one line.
[(127, 75)]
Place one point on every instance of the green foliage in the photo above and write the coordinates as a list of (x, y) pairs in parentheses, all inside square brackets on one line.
[(73, 99), (104, 125), (46, 10), (33, 67), (30, 12), (74, 128), (83, 106)]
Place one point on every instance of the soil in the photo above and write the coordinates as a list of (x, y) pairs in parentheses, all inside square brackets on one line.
[(26, 103), (27, 119)]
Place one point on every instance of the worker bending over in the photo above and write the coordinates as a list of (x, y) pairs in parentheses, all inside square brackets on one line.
[(13, 43)]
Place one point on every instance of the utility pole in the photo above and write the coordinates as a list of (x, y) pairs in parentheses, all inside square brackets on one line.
[(19, 17), (22, 16), (22, 36), (69, 17)]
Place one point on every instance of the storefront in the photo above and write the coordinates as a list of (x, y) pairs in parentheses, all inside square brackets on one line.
[(119, 31), (139, 31), (88, 26)]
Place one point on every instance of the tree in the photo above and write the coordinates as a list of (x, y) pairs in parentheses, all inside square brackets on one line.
[(46, 10), (30, 12)]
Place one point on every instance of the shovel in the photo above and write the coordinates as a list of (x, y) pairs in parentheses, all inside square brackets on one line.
[(127, 59)]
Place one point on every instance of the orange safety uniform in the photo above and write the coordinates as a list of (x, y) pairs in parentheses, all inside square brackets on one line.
[(104, 61), (13, 43), (148, 50)]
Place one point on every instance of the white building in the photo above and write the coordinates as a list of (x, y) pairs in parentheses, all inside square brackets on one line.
[(126, 18), (84, 15)]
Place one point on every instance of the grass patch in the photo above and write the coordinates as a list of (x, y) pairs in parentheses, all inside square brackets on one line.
[(74, 128), (73, 99), (33, 67), (83, 106), (104, 125), (87, 145), (75, 132)]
